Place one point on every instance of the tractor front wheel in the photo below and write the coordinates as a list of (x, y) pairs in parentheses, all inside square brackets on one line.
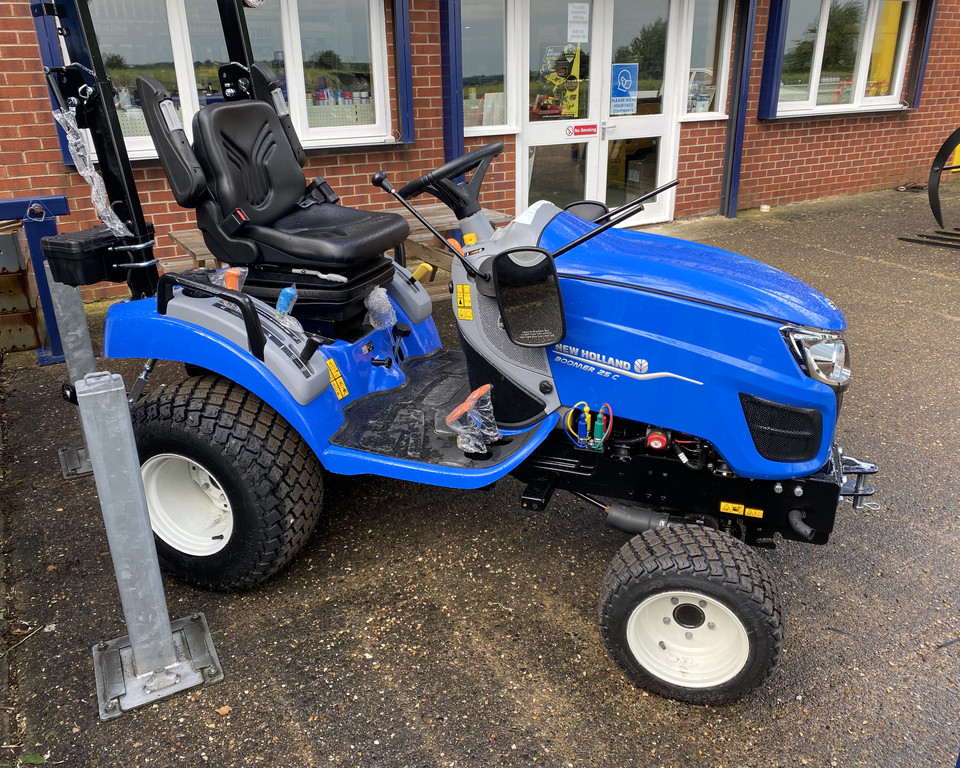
[(691, 614)]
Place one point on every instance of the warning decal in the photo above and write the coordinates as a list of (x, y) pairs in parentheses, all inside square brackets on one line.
[(464, 303), (336, 379)]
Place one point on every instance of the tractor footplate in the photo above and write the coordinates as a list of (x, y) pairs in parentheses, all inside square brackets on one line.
[(409, 422)]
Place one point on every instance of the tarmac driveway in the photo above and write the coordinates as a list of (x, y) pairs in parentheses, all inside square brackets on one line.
[(431, 627)]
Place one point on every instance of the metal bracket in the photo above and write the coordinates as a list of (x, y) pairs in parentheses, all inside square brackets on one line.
[(75, 462), (119, 686), (855, 474), (47, 9)]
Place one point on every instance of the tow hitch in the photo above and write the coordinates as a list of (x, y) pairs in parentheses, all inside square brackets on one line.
[(855, 474)]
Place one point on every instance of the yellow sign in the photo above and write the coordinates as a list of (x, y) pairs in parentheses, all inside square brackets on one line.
[(464, 303), (336, 379), (731, 509), (739, 509), (469, 238)]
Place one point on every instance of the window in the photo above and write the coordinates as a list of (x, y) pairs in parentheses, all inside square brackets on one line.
[(838, 56), (709, 53), (486, 36), (330, 56)]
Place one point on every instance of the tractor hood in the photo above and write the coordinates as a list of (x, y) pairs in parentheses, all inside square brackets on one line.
[(690, 271)]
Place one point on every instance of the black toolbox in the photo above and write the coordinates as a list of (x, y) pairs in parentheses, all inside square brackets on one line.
[(88, 256)]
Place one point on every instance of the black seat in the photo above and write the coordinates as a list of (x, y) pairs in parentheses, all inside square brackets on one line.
[(250, 166), (244, 176)]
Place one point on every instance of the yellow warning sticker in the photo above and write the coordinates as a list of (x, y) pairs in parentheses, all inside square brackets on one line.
[(464, 303), (469, 238), (731, 509), (336, 379), (753, 512)]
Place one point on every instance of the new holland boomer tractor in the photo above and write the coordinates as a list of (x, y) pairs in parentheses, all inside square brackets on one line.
[(690, 392)]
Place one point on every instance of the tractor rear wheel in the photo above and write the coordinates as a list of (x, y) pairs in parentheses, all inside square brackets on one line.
[(233, 491)]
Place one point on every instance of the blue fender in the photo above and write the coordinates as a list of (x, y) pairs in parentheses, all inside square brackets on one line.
[(135, 330)]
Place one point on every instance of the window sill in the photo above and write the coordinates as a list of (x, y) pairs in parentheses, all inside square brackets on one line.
[(491, 130), (149, 153), (818, 114), (703, 117)]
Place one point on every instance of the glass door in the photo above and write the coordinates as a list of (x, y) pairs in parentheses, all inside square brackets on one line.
[(602, 119), (639, 110), (562, 127)]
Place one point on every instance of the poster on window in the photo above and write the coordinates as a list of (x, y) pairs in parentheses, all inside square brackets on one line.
[(578, 22), (623, 89), (558, 83)]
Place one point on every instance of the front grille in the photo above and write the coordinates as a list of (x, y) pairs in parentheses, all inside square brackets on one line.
[(782, 432)]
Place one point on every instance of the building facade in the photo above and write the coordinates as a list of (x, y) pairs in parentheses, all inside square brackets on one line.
[(745, 101)]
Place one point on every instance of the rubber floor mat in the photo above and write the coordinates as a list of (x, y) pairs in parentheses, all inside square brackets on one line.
[(408, 422)]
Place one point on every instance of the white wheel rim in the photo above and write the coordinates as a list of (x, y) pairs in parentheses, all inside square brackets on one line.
[(189, 509), (687, 639)]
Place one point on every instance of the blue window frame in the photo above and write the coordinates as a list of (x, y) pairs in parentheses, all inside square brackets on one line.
[(844, 56)]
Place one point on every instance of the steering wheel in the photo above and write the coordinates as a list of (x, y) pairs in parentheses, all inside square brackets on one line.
[(462, 198)]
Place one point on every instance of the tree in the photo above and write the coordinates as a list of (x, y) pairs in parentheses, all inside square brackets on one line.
[(329, 60), (840, 41), (648, 49), (114, 62)]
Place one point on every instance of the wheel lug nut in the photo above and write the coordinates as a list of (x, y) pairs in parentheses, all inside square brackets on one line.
[(689, 635), (666, 619), (674, 600), (711, 625)]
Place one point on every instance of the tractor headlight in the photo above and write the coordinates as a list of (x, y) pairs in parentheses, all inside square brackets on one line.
[(822, 354)]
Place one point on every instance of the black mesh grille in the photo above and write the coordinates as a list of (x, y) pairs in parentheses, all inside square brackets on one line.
[(782, 432)]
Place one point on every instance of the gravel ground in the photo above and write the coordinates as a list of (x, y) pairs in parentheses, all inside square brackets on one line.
[(430, 627)]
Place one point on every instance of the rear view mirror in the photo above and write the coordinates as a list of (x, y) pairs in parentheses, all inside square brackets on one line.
[(528, 294)]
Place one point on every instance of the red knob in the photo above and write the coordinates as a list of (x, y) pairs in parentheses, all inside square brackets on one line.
[(657, 440)]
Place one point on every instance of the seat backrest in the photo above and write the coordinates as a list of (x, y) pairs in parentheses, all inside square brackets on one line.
[(247, 160)]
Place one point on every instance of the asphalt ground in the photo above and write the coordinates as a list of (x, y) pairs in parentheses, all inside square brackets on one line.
[(431, 627)]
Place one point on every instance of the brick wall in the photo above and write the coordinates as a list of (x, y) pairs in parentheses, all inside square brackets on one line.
[(803, 159), (31, 163)]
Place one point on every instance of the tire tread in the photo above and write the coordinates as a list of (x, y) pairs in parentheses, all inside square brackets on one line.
[(692, 552)]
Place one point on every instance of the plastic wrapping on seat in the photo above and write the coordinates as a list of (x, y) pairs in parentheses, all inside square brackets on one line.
[(81, 158), (380, 311)]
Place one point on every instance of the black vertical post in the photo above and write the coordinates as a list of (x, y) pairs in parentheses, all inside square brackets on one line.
[(100, 115), (235, 32), (736, 124)]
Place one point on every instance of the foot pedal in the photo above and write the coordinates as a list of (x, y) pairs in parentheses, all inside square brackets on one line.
[(537, 494)]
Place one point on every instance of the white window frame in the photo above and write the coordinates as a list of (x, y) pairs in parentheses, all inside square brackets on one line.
[(378, 132), (859, 102), (512, 80), (686, 54)]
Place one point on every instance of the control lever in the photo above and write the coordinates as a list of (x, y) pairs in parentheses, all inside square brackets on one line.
[(380, 179), (313, 343)]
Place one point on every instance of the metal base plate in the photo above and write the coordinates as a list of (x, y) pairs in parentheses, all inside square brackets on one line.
[(75, 462), (120, 688)]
